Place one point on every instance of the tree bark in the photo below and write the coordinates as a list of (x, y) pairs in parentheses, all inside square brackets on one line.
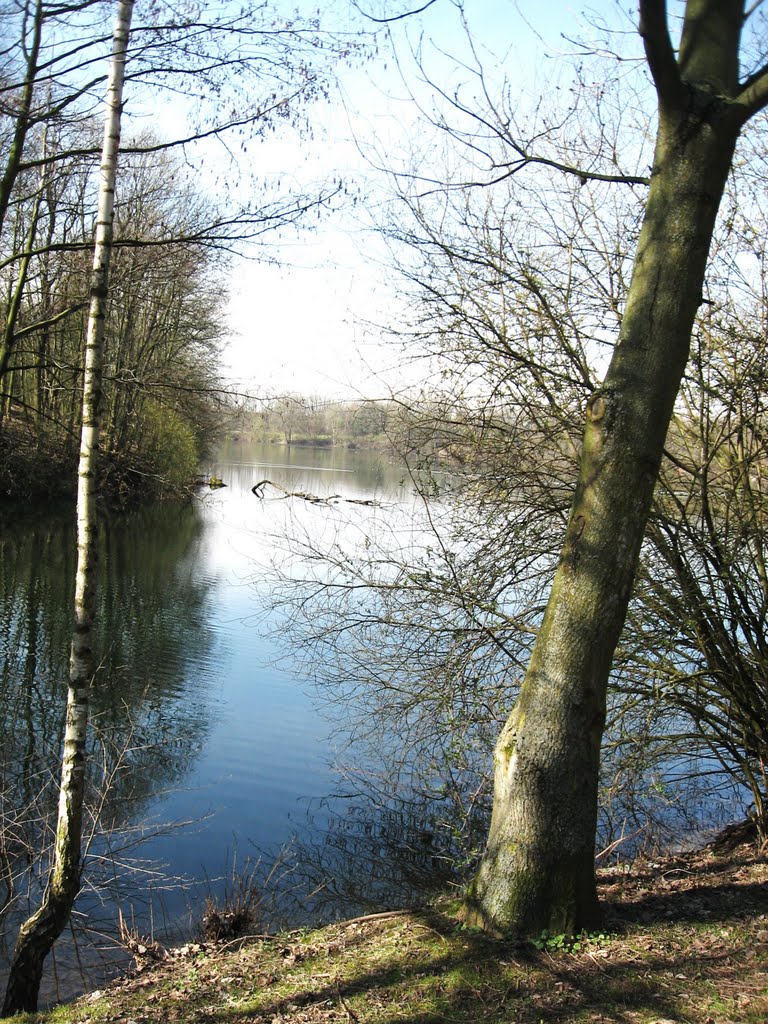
[(39, 932), (537, 871)]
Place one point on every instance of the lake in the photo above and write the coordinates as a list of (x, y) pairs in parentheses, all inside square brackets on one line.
[(214, 755), (218, 762)]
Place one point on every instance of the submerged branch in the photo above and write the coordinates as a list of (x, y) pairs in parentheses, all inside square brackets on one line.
[(315, 499)]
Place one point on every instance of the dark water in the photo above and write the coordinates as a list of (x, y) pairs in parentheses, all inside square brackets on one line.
[(210, 751)]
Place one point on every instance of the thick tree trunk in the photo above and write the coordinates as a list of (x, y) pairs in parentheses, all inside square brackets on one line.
[(39, 932), (537, 871)]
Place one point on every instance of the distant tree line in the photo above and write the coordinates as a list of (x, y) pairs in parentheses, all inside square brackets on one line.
[(420, 423), (315, 420)]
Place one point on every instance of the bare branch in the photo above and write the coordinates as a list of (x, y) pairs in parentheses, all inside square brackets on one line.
[(224, 233), (50, 321), (157, 147), (578, 172), (396, 17), (754, 95), (498, 126)]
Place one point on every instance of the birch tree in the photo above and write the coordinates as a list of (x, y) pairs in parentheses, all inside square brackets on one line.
[(537, 871), (40, 931)]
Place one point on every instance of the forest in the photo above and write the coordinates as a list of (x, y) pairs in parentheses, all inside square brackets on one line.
[(585, 300)]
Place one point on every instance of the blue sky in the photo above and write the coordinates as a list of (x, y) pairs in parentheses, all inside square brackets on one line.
[(304, 325)]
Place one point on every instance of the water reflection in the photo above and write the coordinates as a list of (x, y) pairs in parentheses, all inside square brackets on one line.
[(201, 714), (375, 844), (318, 470), (149, 701)]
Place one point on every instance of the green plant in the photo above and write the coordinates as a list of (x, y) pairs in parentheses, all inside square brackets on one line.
[(562, 943)]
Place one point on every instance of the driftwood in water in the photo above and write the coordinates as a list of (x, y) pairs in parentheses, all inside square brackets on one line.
[(315, 499)]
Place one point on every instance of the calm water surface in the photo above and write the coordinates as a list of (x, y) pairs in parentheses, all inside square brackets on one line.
[(201, 715), (210, 747), (267, 762)]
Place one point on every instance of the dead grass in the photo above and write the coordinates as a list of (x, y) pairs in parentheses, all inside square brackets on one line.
[(686, 941)]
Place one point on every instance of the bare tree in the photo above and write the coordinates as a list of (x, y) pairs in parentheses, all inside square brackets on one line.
[(537, 871), (269, 68), (40, 931)]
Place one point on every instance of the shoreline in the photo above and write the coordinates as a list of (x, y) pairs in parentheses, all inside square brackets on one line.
[(685, 939)]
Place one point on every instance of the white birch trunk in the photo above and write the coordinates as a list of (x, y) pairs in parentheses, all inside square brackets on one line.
[(40, 931)]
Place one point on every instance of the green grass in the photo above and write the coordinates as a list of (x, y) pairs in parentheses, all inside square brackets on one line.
[(693, 950)]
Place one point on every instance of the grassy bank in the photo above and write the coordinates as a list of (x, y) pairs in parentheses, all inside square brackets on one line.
[(686, 940)]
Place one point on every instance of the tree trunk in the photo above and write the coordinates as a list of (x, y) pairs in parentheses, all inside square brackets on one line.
[(537, 871), (39, 932), (22, 114), (7, 337)]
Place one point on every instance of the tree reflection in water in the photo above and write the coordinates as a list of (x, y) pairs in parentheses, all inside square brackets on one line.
[(150, 712), (383, 841)]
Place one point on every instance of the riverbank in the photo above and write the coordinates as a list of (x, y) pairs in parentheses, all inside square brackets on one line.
[(685, 940), (40, 467)]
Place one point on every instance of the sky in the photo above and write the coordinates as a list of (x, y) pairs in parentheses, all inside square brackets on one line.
[(312, 322)]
